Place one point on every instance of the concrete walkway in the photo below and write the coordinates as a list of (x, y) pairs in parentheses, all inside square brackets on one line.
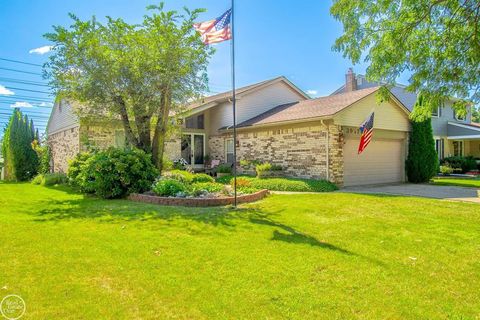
[(421, 190)]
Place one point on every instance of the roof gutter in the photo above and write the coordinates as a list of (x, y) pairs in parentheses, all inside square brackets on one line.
[(278, 123)]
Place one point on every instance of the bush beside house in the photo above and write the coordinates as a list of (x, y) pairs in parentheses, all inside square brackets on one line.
[(113, 173), (422, 160)]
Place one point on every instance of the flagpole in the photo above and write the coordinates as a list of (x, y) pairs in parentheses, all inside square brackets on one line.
[(234, 110)]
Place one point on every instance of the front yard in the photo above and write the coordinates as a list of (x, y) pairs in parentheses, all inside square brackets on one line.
[(330, 255), (471, 183)]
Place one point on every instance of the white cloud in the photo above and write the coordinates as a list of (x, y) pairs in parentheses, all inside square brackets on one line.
[(5, 92), (45, 104), (21, 104), (41, 50), (312, 92)]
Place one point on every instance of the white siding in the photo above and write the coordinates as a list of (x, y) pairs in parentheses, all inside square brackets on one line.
[(253, 104), (61, 118)]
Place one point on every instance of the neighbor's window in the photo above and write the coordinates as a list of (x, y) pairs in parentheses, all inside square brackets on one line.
[(195, 122), (229, 150), (439, 147), (458, 148), (119, 139)]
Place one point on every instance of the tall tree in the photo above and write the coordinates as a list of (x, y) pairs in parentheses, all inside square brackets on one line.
[(422, 160), (21, 160), (437, 41), (140, 73)]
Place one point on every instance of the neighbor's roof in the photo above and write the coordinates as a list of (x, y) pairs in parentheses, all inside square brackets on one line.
[(225, 96), (314, 108)]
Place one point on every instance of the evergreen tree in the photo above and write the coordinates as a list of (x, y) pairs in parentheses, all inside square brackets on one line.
[(21, 161), (422, 160)]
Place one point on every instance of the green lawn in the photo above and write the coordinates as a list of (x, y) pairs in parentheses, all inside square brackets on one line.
[(472, 183), (330, 255)]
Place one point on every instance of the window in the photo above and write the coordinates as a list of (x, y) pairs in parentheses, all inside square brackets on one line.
[(439, 147), (458, 148), (119, 139), (229, 150), (437, 112), (195, 122)]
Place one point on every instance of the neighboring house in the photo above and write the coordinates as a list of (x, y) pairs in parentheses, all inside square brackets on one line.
[(278, 123), (453, 136)]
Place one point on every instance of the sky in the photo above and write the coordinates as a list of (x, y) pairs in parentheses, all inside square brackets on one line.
[(273, 38)]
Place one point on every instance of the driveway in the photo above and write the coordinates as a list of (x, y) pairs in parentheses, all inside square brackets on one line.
[(421, 190)]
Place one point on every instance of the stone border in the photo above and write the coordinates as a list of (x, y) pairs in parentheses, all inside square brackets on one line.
[(197, 202)]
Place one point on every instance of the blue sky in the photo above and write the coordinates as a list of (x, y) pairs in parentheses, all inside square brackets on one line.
[(273, 38)]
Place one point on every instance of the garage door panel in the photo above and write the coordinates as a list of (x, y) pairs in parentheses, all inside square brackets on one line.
[(381, 162)]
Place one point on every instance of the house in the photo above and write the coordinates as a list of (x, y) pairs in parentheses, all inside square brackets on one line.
[(278, 123), (454, 136)]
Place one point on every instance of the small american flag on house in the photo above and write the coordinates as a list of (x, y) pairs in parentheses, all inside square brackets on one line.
[(214, 31), (366, 130)]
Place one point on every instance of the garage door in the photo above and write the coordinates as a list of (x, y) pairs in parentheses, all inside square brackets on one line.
[(381, 162)]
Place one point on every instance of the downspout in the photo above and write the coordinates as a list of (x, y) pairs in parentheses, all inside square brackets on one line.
[(327, 148)]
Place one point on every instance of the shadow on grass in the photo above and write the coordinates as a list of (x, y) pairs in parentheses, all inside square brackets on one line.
[(122, 211)]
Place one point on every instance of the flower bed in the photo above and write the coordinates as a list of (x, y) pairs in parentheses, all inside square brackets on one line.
[(197, 202)]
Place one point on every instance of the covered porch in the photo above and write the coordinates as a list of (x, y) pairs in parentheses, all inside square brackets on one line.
[(462, 140)]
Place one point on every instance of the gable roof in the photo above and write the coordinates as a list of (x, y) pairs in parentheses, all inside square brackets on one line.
[(323, 107), (210, 101)]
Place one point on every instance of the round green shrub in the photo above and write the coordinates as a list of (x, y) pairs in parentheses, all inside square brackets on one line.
[(179, 175), (210, 187), (168, 187), (113, 173), (202, 177)]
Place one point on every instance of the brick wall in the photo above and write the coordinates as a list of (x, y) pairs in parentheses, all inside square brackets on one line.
[(64, 146), (300, 150)]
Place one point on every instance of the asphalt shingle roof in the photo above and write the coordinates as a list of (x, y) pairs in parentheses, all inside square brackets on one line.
[(313, 108)]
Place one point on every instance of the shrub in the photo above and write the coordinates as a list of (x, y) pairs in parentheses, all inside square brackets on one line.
[(224, 168), (276, 167), (463, 164), (246, 190), (179, 175), (263, 169), (422, 161), (281, 184), (113, 173), (180, 164), (167, 164), (168, 187), (225, 179), (210, 187), (49, 179), (202, 177), (446, 170), (75, 167), (241, 182)]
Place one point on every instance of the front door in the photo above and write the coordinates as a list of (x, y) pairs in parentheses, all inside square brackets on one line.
[(193, 149)]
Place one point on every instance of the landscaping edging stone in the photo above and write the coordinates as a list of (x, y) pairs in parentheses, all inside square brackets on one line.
[(197, 202)]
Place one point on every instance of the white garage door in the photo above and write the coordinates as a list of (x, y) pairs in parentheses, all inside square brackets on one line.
[(381, 162)]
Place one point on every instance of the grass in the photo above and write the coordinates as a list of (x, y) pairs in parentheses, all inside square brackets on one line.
[(310, 256), (285, 184), (472, 183)]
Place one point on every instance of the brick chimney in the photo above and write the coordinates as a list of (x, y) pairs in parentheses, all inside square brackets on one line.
[(350, 81)]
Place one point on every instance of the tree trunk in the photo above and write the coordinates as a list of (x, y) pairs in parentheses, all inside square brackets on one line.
[(126, 123), (158, 144)]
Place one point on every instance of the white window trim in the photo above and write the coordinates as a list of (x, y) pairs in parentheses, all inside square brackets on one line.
[(438, 113), (462, 153), (226, 149), (192, 143)]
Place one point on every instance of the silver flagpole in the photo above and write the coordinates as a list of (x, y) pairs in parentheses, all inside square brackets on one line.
[(234, 110)]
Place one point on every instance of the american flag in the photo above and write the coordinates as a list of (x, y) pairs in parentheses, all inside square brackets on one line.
[(366, 129), (214, 31)]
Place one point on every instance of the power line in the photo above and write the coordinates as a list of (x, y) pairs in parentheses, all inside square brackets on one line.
[(16, 97), (21, 71), (30, 83), (37, 102), (29, 90), (26, 80), (21, 62), (33, 113)]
